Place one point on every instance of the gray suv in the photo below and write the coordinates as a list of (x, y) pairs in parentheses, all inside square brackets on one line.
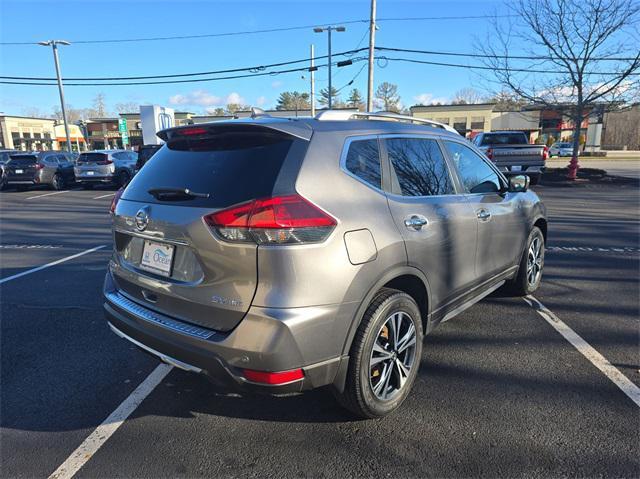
[(48, 168), (281, 255), (112, 167)]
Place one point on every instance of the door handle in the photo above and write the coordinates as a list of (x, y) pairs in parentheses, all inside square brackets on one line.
[(483, 215), (416, 222)]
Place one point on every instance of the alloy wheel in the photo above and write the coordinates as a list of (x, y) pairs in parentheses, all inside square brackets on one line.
[(392, 356), (534, 261)]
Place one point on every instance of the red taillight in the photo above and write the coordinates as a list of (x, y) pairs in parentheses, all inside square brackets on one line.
[(191, 131), (264, 377), (545, 153), (277, 220), (490, 153), (115, 200)]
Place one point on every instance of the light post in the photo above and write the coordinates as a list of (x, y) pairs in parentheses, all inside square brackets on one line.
[(54, 46), (329, 29)]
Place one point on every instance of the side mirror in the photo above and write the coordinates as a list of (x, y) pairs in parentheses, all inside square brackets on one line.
[(518, 183)]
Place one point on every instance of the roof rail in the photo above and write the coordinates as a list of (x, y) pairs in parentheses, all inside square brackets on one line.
[(332, 115)]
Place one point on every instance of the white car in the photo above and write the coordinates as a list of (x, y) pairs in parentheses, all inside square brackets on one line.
[(561, 149)]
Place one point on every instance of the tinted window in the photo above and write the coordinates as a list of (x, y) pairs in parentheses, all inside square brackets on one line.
[(504, 139), (475, 174), (23, 160), (92, 157), (232, 168), (363, 160), (419, 166)]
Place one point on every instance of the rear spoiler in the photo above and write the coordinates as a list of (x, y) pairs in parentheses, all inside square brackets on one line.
[(204, 130)]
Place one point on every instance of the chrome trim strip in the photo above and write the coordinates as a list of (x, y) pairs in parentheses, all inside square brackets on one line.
[(163, 357), (159, 319), (151, 237)]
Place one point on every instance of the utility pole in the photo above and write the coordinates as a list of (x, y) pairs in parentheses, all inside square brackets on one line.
[(372, 41), (329, 29), (313, 83), (54, 46)]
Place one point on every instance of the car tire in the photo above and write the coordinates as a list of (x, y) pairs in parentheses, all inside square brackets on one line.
[(396, 362), (87, 186), (123, 179), (531, 266), (57, 183)]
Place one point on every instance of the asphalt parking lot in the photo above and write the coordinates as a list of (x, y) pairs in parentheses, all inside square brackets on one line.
[(501, 392)]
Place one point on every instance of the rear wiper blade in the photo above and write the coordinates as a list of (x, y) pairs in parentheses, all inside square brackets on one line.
[(176, 193)]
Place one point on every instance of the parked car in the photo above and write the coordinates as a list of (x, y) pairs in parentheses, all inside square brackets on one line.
[(4, 155), (280, 255), (112, 167), (561, 148), (51, 168), (145, 153), (512, 153)]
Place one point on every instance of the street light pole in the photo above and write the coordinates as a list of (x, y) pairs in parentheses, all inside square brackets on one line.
[(54, 46), (329, 29), (313, 83)]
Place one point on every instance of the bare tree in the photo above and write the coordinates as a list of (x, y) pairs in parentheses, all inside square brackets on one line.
[(579, 55), (469, 96), (99, 105), (128, 107), (387, 95)]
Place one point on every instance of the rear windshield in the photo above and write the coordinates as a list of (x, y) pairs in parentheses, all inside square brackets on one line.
[(231, 168), (22, 160), (504, 139), (91, 157)]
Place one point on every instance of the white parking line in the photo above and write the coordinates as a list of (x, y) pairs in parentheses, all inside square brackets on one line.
[(103, 196), (53, 263), (597, 359), (104, 431), (47, 194)]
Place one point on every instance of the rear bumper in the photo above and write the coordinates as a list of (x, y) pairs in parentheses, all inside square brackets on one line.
[(262, 341), (95, 179), (518, 170)]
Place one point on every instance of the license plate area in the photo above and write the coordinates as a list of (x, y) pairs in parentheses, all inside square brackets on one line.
[(90, 173), (157, 257), (18, 172)]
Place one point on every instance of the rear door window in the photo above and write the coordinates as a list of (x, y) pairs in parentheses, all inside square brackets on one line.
[(363, 160), (504, 139), (91, 157), (231, 168), (418, 167)]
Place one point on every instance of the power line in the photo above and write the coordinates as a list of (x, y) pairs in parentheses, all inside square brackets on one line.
[(163, 82), (266, 30), (252, 69), (481, 67), (509, 57)]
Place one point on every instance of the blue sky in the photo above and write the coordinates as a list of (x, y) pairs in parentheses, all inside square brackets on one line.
[(28, 20)]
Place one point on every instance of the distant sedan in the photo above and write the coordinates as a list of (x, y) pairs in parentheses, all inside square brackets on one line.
[(561, 149)]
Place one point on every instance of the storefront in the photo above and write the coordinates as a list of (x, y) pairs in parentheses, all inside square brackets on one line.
[(27, 133), (78, 142)]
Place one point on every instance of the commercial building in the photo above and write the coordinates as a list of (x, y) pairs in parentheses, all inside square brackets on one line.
[(27, 133)]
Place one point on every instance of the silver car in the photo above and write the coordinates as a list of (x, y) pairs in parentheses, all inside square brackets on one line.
[(113, 167), (47, 168), (281, 255), (561, 149)]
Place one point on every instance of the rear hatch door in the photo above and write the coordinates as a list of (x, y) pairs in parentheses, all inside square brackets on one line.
[(21, 167), (93, 164), (166, 256)]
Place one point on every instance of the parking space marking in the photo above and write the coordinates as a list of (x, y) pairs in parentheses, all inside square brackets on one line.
[(597, 359), (103, 196), (104, 431), (47, 194), (53, 263)]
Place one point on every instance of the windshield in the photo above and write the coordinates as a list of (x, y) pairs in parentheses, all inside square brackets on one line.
[(22, 160)]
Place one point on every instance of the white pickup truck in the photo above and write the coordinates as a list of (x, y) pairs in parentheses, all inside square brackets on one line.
[(513, 154)]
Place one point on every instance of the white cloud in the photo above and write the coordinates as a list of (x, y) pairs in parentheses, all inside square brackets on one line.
[(196, 98), (234, 97), (261, 101), (276, 84), (429, 99)]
